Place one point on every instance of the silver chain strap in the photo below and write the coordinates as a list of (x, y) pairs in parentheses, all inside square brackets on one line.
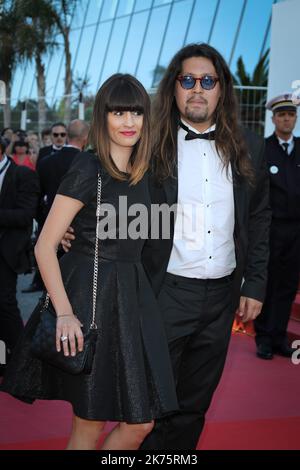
[(93, 325)]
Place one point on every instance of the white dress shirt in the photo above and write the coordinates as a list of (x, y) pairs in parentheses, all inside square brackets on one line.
[(203, 244), (4, 164)]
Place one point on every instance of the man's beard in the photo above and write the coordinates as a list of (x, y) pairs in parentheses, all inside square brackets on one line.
[(197, 116)]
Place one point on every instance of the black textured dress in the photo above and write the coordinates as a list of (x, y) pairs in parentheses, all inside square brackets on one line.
[(132, 377)]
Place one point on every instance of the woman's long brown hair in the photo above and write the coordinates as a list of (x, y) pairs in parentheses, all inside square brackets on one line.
[(230, 143), (121, 92)]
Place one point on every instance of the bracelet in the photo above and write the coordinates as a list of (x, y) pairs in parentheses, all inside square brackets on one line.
[(65, 315)]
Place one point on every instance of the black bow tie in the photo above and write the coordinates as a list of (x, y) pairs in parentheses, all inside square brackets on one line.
[(193, 135)]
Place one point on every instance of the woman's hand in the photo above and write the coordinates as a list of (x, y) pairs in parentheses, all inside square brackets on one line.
[(68, 332), (66, 241)]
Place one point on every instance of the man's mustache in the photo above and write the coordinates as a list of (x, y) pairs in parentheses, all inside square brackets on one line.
[(197, 100)]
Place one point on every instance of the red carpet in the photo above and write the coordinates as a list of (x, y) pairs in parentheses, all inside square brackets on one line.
[(256, 406), (260, 434)]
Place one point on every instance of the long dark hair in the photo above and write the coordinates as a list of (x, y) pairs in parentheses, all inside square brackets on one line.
[(230, 144), (121, 92)]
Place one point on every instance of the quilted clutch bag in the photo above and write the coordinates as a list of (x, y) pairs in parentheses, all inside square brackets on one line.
[(43, 346)]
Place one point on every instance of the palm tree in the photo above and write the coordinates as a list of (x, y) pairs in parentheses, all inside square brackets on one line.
[(63, 13), (9, 51), (259, 76), (37, 34)]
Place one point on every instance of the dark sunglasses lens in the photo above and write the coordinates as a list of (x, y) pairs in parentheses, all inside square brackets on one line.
[(57, 134), (187, 82), (208, 83)]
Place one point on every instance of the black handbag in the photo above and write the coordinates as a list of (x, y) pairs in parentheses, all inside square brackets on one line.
[(43, 346), (43, 343)]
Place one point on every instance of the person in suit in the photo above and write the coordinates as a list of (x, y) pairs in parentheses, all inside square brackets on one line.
[(58, 138), (46, 137), (19, 194), (53, 167), (209, 260), (283, 160), (204, 161)]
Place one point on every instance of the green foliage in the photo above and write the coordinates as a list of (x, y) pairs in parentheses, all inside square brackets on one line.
[(11, 50), (259, 76), (29, 30), (38, 32)]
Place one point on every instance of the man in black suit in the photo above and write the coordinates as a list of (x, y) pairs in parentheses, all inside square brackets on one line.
[(53, 167), (212, 263), (58, 138), (283, 160), (215, 262), (19, 195)]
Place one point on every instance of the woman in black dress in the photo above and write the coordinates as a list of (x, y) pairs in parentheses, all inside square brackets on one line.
[(131, 381)]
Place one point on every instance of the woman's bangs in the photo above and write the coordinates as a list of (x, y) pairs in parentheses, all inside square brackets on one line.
[(125, 97)]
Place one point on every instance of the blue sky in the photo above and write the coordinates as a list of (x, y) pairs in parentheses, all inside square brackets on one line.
[(111, 53)]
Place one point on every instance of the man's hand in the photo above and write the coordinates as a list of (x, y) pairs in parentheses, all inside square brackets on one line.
[(66, 241), (248, 309)]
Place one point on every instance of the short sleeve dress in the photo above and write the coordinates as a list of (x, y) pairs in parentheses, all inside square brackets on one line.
[(132, 378)]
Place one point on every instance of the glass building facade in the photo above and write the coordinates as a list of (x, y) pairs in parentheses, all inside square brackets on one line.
[(141, 36)]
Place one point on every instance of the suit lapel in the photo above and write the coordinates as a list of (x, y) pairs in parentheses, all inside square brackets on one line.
[(171, 186), (239, 200), (6, 182), (296, 148), (171, 190)]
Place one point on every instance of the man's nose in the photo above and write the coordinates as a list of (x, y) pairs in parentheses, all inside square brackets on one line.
[(198, 88)]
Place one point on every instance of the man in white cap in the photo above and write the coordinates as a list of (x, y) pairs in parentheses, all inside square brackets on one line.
[(283, 159)]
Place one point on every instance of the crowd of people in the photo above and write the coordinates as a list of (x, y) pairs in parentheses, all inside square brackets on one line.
[(164, 305), (24, 146)]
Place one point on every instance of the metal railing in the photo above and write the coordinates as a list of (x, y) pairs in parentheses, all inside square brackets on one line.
[(252, 109)]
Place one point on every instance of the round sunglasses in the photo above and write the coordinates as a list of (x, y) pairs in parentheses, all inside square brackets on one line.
[(188, 82)]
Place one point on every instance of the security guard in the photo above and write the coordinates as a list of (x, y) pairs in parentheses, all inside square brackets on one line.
[(283, 159)]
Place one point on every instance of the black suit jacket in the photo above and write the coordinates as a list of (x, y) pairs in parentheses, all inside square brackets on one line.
[(284, 174), (52, 170), (251, 233), (45, 152), (18, 203)]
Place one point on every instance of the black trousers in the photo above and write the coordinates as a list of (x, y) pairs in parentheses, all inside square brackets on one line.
[(198, 317), (283, 278), (11, 324)]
